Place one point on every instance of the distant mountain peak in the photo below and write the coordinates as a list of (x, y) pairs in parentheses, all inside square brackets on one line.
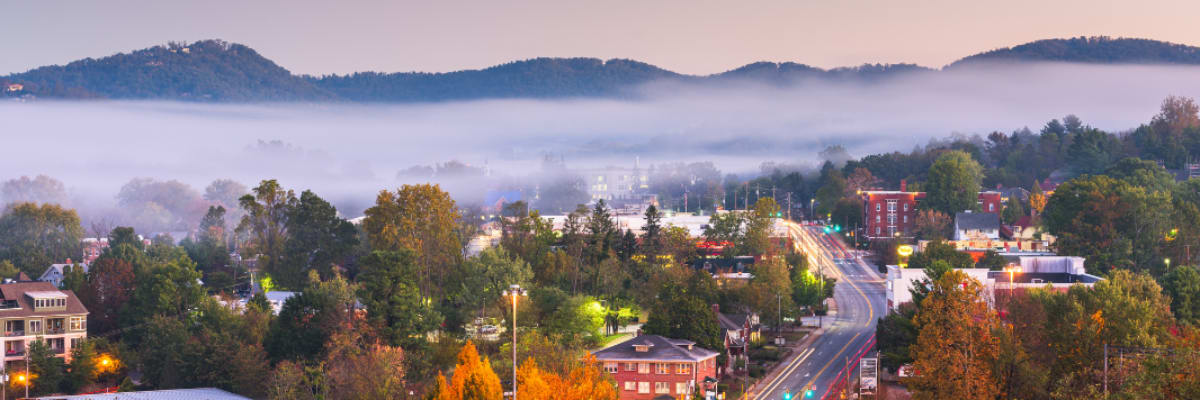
[(1096, 49)]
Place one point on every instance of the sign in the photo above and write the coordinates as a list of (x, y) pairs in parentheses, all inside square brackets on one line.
[(904, 250), (868, 376)]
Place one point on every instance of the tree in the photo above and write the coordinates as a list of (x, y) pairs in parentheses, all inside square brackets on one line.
[(769, 293), (317, 238), (110, 286), (266, 221), (1111, 222), (1013, 211), (931, 225), (169, 287), (602, 233), (482, 280), (833, 187), (939, 250), (895, 334), (992, 261), (360, 369), (955, 347), (1182, 285), (157, 206), (41, 189), (680, 314), (48, 369), (953, 184), (652, 232), (1037, 200), (585, 381), (81, 371), (1092, 151), (860, 179), (473, 379), (1176, 115), (421, 218), (32, 237), (760, 225), (125, 235), (395, 307), (8, 270), (305, 323)]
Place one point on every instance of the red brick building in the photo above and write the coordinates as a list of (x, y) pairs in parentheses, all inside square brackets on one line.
[(649, 366), (887, 213)]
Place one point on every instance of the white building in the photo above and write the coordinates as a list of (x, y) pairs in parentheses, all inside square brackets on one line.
[(56, 272)]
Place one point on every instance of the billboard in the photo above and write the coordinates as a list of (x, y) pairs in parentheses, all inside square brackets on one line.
[(868, 376)]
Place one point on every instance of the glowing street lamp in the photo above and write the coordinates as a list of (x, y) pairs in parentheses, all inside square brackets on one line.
[(1168, 262), (1011, 269), (514, 292)]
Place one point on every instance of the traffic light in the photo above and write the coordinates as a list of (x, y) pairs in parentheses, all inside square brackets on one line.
[(787, 395), (826, 229), (808, 394)]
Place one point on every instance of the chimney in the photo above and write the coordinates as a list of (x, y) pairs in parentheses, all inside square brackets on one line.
[(903, 185), (69, 261)]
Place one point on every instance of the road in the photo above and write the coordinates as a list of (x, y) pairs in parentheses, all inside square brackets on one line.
[(860, 300)]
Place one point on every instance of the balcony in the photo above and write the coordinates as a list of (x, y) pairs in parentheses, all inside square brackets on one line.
[(14, 333), (14, 353), (58, 350), (55, 331)]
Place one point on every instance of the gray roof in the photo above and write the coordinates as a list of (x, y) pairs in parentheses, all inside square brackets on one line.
[(976, 220), (183, 394), (660, 349)]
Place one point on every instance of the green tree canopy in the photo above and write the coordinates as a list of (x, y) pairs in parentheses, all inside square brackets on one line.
[(953, 184)]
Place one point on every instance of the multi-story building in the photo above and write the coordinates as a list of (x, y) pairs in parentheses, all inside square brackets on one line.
[(38, 311), (891, 213), (615, 183), (650, 366)]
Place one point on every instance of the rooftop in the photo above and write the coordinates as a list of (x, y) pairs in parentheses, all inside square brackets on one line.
[(22, 294), (976, 221), (658, 348), (180, 394)]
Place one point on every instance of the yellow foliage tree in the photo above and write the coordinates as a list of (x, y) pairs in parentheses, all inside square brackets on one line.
[(585, 381), (421, 218), (473, 379), (956, 347)]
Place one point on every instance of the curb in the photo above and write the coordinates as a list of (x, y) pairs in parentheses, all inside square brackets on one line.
[(774, 372)]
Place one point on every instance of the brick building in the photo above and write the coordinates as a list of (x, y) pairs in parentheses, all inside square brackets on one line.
[(888, 213), (649, 366)]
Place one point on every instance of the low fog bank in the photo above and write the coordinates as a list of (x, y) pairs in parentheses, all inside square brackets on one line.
[(348, 152)]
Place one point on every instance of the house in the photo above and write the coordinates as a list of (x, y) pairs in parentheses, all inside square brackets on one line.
[(1012, 193), (615, 183), (891, 213), (93, 248), (650, 366), (56, 272), (738, 331), (32, 311), (276, 298), (976, 226)]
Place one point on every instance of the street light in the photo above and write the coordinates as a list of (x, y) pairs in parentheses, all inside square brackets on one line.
[(514, 292), (1011, 269), (1168, 262)]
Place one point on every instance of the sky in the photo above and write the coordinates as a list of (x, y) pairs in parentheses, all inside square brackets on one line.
[(696, 37)]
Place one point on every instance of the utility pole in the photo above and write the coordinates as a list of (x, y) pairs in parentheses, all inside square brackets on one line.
[(789, 201)]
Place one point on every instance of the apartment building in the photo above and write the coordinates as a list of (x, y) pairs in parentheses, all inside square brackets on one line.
[(892, 213), (650, 366), (33, 311)]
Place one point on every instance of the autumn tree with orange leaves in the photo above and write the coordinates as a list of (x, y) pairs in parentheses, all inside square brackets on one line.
[(585, 381), (473, 379), (956, 345)]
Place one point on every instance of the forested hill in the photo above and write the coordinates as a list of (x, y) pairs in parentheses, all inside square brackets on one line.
[(1091, 50), (209, 70), (218, 71), (536, 78)]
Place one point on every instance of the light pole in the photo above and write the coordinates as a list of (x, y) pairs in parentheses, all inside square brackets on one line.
[(1011, 269), (514, 292), (1168, 262)]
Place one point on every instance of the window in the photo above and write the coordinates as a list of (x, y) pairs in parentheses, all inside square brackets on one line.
[(905, 207), (75, 342), (891, 219), (643, 368), (681, 388), (906, 219), (877, 207), (76, 322), (877, 229), (643, 387), (684, 369), (35, 326), (608, 367), (892, 206), (991, 207), (662, 368), (630, 367), (877, 219), (630, 385), (662, 387)]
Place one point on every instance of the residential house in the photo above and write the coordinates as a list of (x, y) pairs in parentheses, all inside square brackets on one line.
[(32, 311), (976, 226), (650, 366), (276, 298), (738, 331), (56, 272)]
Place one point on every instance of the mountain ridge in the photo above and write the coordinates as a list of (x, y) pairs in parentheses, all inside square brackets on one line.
[(219, 71)]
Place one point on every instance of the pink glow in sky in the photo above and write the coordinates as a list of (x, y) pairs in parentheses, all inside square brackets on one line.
[(695, 37)]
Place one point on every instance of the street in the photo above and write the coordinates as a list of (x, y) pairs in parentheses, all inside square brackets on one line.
[(848, 334)]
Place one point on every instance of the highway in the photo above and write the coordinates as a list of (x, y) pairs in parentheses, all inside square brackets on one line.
[(860, 300)]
